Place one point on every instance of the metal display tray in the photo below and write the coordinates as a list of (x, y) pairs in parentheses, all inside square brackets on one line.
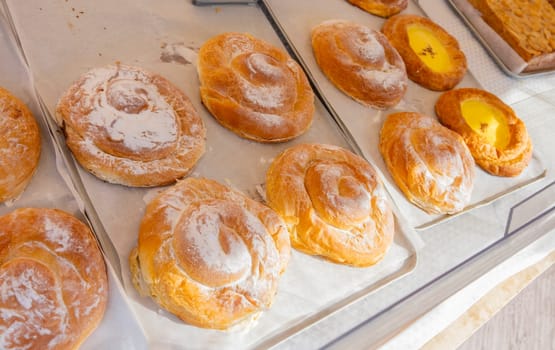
[(82, 36), (497, 48), (87, 35), (362, 123)]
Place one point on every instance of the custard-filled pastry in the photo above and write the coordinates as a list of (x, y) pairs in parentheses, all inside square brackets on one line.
[(131, 127), (382, 8), (360, 62), (209, 254), (496, 137), (430, 163), (19, 146), (254, 89), (333, 203), (432, 56), (53, 282)]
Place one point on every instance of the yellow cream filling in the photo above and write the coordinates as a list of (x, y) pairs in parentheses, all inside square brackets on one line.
[(429, 49), (487, 121)]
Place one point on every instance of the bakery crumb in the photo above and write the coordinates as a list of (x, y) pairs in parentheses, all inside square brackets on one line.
[(100, 54), (217, 9)]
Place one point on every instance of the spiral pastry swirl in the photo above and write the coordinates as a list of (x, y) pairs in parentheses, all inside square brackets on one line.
[(430, 163), (53, 282), (131, 127), (382, 8), (19, 146), (254, 89), (333, 203), (360, 62), (208, 254)]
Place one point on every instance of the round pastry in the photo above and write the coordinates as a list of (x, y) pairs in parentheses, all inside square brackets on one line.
[(19, 146), (131, 127), (53, 282), (432, 56), (254, 89), (333, 203), (360, 62), (430, 163), (209, 255), (496, 137), (382, 8)]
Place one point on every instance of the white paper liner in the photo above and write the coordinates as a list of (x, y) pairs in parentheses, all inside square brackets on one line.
[(163, 37), (48, 190), (365, 123)]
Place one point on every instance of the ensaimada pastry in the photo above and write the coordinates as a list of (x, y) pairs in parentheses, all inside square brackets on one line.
[(254, 88), (131, 127), (430, 164), (19, 146), (382, 8), (333, 203), (53, 281), (360, 62), (209, 254)]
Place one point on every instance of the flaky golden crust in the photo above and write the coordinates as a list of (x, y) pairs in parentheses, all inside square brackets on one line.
[(53, 282), (19, 146), (254, 89), (208, 254), (332, 202), (511, 160), (527, 26), (131, 127), (360, 62), (382, 8), (430, 163), (395, 29)]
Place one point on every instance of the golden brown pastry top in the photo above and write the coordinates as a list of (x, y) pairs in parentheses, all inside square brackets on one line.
[(254, 89), (432, 56), (19, 146), (53, 282), (382, 8), (360, 62), (527, 26), (131, 127), (496, 137), (429, 163), (209, 254), (332, 202)]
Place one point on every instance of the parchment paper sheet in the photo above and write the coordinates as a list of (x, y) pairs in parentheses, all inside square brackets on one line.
[(365, 123), (48, 190), (163, 37)]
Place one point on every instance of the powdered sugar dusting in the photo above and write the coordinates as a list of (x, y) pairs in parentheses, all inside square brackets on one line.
[(445, 179), (206, 241), (367, 46), (35, 305), (388, 77), (131, 110), (58, 234), (263, 96)]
